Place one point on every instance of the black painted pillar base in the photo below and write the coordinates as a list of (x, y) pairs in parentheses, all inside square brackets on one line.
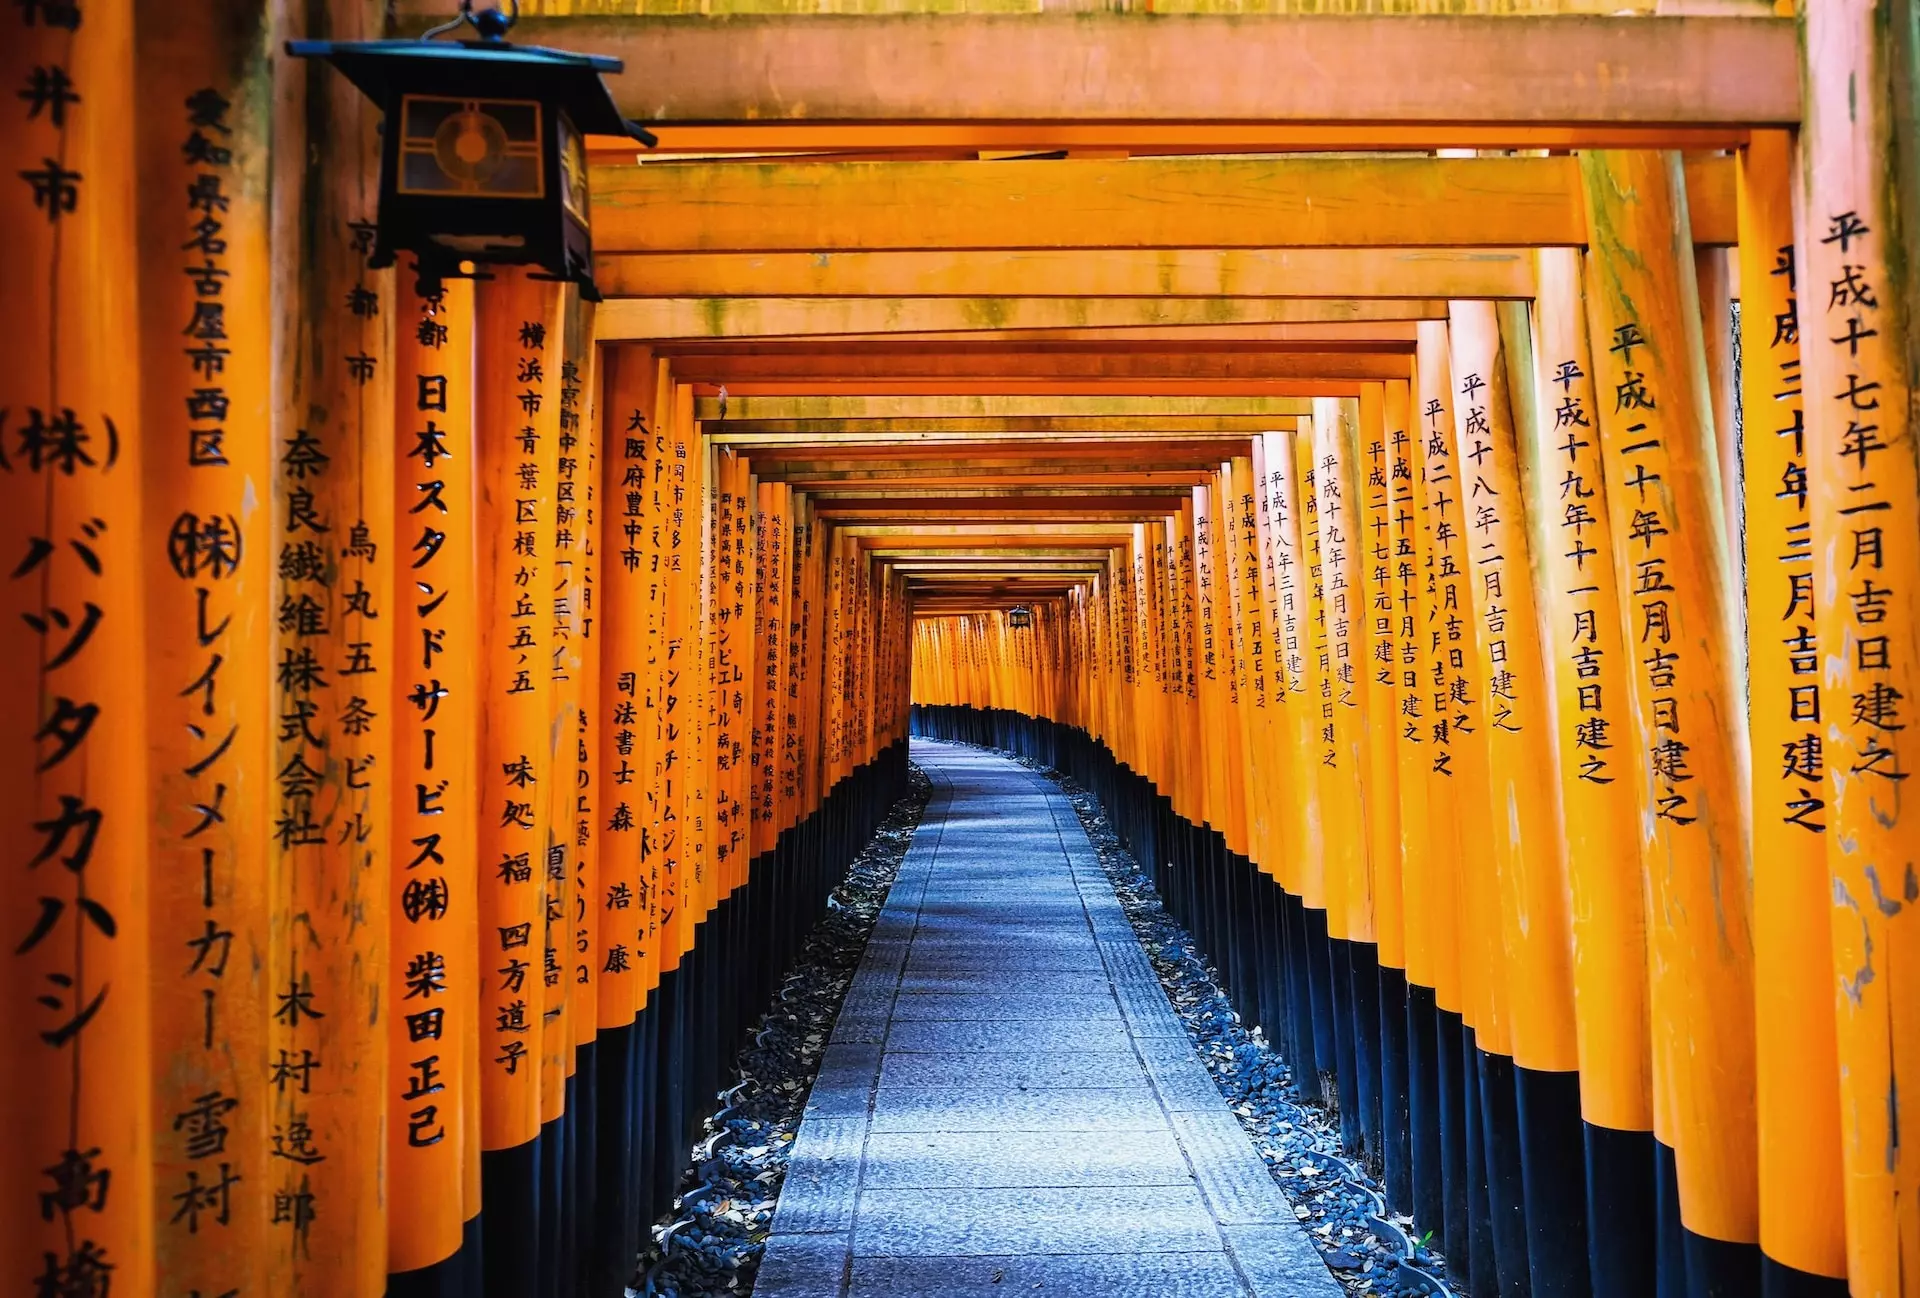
[(1428, 1200), (510, 1189), (1506, 1201), (1396, 1148), (1622, 1215), (1553, 1178)]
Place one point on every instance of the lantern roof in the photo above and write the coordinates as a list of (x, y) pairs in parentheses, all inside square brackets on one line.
[(381, 69)]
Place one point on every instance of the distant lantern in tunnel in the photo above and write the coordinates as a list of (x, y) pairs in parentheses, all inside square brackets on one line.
[(482, 155), (1019, 615)]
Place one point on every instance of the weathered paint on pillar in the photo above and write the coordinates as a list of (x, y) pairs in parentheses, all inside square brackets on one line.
[(1301, 871), (556, 603), (1857, 262), (1412, 667), (1457, 777), (206, 371), (1588, 660), (1523, 809), (1383, 416), (75, 1067), (517, 423), (1343, 753), (627, 581), (1797, 1080), (577, 511), (1322, 883), (335, 542), (1663, 497)]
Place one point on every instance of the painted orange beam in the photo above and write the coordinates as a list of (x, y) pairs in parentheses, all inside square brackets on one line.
[(856, 481), (1094, 366), (1019, 387), (1016, 273), (932, 452), (811, 139), (1141, 67), (1395, 202), (930, 542), (1165, 503)]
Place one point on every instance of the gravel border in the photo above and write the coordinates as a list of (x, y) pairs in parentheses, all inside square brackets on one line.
[(712, 1243)]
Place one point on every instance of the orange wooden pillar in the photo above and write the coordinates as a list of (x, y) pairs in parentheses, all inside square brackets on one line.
[(1415, 742), (337, 547), (579, 490), (1301, 871), (517, 423), (1797, 1069), (1326, 881), (1388, 572), (623, 720), (77, 1072), (1856, 265), (1664, 499), (674, 701), (433, 1023), (1542, 1097), (1457, 785), (1572, 535), (205, 378), (762, 721), (1343, 613)]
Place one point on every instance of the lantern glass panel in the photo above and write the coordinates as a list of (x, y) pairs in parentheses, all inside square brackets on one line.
[(484, 148), (573, 170)]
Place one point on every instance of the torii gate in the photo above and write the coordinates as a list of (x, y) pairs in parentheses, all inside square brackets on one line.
[(265, 1033)]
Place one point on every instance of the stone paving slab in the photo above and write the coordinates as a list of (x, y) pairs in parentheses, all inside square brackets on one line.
[(1162, 1275), (1005, 1005), (1065, 982), (960, 1069), (1013, 1110), (1008, 1104), (975, 1160), (1014, 1035), (1182, 1081), (942, 957), (1074, 1219), (804, 1266)]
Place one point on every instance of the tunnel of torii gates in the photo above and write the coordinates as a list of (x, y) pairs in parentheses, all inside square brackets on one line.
[(431, 722)]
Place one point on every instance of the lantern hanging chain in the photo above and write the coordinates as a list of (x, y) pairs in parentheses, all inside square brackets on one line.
[(492, 24)]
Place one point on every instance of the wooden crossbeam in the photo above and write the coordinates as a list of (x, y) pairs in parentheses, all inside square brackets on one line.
[(995, 406), (1146, 454), (904, 430), (1372, 202), (819, 482), (1259, 364), (1004, 505), (1077, 533), (1031, 387), (1057, 318), (1142, 66), (1335, 280), (1336, 275), (834, 141)]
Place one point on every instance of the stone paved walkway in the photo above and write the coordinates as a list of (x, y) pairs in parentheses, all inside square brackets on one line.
[(1008, 1104)]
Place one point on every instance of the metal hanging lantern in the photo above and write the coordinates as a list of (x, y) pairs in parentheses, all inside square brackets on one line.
[(482, 156), (1019, 615)]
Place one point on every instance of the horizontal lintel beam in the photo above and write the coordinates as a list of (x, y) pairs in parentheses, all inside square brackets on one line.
[(1141, 203), (1334, 278), (934, 319), (1109, 65)]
